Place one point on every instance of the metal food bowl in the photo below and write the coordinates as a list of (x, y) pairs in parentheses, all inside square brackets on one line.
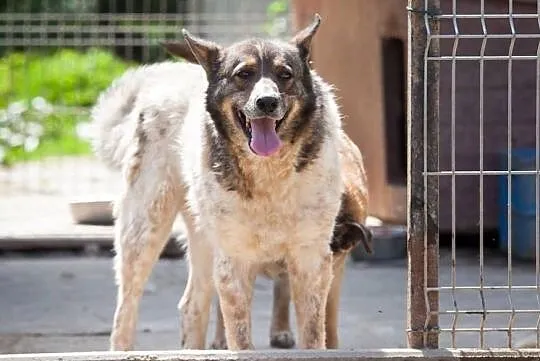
[(389, 242), (94, 212)]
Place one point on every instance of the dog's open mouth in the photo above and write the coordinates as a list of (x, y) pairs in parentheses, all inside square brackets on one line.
[(262, 133)]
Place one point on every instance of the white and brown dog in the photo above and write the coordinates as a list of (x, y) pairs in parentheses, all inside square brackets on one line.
[(349, 230), (246, 147)]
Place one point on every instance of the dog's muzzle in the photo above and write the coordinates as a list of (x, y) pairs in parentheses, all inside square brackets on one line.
[(261, 117)]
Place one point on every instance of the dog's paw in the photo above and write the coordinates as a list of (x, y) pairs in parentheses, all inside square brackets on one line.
[(219, 344), (282, 339)]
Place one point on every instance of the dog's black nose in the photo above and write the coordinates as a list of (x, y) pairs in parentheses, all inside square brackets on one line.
[(267, 104)]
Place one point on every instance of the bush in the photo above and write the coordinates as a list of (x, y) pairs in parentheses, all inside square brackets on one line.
[(44, 101)]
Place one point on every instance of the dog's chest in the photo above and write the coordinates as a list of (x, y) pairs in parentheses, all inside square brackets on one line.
[(261, 227), (266, 226)]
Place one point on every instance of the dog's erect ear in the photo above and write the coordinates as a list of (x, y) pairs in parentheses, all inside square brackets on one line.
[(205, 52), (359, 232), (303, 38), (179, 49)]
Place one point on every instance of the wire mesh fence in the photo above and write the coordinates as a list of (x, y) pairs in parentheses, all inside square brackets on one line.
[(57, 55), (475, 167)]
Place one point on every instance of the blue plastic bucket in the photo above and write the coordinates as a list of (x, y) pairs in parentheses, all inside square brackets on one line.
[(523, 208)]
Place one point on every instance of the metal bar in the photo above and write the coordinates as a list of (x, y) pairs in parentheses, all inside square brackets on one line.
[(91, 29), (35, 43), (195, 17), (477, 288), (162, 11), (488, 329), (453, 263), (415, 220), (487, 16), (128, 50), (481, 180), (485, 172), (22, 16), (111, 34), (484, 311), (431, 190), (537, 181), (486, 57), (489, 36), (509, 178), (11, 75), (146, 50), (422, 192), (172, 25)]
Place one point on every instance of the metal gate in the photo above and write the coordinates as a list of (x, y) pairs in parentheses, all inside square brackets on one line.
[(474, 145)]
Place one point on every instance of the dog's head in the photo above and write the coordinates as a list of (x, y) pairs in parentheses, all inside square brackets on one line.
[(257, 89)]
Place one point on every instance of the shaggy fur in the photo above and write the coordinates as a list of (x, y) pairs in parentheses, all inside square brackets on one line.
[(349, 230), (185, 137)]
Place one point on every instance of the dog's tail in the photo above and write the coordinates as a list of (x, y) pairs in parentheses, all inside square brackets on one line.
[(112, 128)]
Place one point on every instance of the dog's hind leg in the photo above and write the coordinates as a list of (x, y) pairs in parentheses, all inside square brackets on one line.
[(332, 305), (144, 217), (281, 335), (220, 342), (194, 306)]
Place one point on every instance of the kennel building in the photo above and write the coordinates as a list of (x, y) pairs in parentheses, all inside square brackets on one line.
[(366, 61)]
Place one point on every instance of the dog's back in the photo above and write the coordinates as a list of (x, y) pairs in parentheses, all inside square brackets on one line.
[(164, 87)]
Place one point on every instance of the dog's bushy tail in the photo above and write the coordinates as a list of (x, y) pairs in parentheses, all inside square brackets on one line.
[(112, 128)]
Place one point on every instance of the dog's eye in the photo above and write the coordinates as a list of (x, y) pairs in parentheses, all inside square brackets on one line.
[(285, 75), (244, 74)]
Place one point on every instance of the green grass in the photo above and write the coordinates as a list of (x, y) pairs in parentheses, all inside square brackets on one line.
[(65, 145), (59, 138), (52, 92), (67, 77)]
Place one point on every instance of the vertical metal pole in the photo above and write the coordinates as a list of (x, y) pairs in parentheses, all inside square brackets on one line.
[(481, 141), (537, 183), (509, 179), (422, 191)]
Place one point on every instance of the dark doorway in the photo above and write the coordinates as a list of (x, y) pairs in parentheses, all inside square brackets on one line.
[(393, 65)]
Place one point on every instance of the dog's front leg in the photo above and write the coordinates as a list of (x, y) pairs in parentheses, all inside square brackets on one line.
[(234, 284), (310, 278)]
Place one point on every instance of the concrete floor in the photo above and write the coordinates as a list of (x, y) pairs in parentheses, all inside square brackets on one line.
[(65, 303)]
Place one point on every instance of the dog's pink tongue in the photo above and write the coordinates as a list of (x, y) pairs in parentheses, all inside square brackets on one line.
[(264, 139)]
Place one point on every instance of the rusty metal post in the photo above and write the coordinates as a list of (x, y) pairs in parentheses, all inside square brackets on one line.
[(422, 190)]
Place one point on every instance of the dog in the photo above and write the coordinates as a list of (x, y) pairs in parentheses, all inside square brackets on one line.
[(244, 145), (350, 229)]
